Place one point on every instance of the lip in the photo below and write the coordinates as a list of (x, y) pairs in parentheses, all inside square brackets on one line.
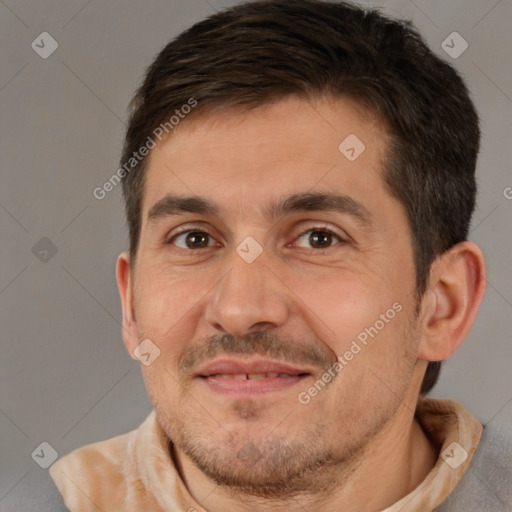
[(238, 366), (219, 374)]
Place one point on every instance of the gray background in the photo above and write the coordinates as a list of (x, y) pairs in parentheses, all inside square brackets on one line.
[(65, 377)]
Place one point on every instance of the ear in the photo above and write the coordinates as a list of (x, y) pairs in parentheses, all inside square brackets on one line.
[(454, 293), (125, 285)]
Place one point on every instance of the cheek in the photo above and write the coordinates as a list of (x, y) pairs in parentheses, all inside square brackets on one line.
[(167, 305), (163, 390), (375, 364), (341, 306)]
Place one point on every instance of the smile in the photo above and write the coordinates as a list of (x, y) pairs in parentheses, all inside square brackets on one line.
[(250, 377)]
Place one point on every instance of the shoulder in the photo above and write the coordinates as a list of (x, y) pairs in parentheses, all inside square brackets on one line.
[(486, 485), (105, 474), (84, 474)]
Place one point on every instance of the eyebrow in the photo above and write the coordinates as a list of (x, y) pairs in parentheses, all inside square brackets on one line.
[(175, 205), (318, 201)]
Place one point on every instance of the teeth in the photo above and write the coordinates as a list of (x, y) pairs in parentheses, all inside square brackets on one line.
[(256, 376), (250, 376), (231, 376)]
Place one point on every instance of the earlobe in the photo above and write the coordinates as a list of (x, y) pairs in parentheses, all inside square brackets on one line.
[(455, 291), (125, 285)]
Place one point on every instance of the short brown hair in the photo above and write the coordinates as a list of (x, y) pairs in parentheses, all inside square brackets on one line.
[(263, 51)]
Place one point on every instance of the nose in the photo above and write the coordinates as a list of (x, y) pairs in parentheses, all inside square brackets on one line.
[(248, 298)]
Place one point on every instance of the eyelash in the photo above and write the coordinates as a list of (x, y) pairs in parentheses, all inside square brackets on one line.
[(185, 232), (322, 229)]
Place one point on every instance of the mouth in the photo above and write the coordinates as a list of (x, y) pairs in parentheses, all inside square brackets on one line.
[(250, 377)]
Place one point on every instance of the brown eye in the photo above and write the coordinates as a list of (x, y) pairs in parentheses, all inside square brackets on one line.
[(320, 239), (196, 239), (192, 240)]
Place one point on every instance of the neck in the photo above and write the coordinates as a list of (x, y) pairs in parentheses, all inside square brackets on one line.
[(393, 464)]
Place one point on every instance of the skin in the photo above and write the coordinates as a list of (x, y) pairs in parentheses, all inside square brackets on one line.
[(356, 445)]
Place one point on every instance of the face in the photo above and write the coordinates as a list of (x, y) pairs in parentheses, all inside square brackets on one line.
[(275, 275)]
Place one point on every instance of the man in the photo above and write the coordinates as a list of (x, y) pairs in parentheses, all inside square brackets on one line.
[(299, 179)]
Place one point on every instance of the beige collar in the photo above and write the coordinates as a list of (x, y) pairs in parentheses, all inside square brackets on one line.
[(451, 427)]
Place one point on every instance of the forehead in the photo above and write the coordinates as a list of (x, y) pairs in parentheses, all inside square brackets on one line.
[(244, 161)]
